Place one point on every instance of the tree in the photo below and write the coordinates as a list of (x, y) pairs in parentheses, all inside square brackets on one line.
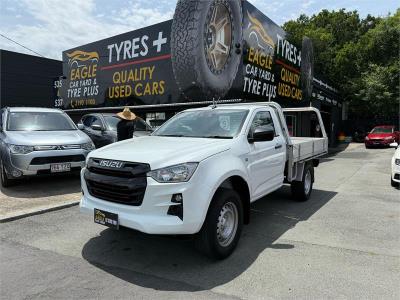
[(358, 56)]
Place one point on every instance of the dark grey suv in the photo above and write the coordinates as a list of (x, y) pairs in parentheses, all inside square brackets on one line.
[(102, 128)]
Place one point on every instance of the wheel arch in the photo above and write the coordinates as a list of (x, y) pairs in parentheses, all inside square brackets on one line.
[(238, 184)]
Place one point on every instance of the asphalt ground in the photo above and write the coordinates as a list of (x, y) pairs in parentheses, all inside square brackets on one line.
[(37, 194), (343, 243)]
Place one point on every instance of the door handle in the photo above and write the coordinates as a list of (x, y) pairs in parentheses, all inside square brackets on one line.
[(277, 146)]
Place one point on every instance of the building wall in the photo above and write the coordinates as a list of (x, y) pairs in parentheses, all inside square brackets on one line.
[(27, 80)]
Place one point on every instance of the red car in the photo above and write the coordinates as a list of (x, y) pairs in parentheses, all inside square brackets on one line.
[(381, 136)]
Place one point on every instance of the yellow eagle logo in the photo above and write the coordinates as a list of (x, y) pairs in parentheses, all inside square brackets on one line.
[(82, 56), (257, 28)]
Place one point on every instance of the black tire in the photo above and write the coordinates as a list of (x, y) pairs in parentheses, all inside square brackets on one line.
[(207, 240), (394, 183), (367, 147), (4, 180), (307, 68), (300, 190), (191, 37)]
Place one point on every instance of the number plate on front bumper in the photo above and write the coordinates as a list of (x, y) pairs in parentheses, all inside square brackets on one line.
[(106, 218), (57, 168)]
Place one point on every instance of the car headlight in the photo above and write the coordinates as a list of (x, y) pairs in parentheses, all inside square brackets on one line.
[(177, 173), (367, 138), (88, 146), (20, 149), (397, 161)]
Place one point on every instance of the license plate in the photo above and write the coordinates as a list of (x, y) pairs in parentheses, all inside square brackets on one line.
[(57, 168), (106, 218)]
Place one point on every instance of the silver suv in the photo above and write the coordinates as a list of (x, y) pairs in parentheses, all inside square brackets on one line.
[(35, 141)]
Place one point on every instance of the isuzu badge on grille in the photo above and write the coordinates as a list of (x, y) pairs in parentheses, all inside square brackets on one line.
[(111, 164)]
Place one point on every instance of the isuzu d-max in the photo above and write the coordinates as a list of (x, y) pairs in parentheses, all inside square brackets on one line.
[(199, 172)]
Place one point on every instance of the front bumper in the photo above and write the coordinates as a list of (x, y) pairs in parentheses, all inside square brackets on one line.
[(381, 142), (151, 216), (395, 172), (23, 164)]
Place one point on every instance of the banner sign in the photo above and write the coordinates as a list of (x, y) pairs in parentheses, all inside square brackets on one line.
[(238, 53), (271, 62)]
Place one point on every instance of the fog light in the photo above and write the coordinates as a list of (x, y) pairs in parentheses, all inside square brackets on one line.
[(177, 198), (16, 173), (176, 209)]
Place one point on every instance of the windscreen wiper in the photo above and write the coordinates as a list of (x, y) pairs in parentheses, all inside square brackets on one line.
[(218, 137)]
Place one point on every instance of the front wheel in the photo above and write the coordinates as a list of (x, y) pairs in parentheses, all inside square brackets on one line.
[(394, 183), (223, 225), (5, 181), (301, 190)]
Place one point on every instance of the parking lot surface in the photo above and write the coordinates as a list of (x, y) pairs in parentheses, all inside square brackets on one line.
[(343, 243), (37, 194)]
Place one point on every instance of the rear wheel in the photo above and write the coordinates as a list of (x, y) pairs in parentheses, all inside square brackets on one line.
[(223, 225), (5, 181), (301, 190)]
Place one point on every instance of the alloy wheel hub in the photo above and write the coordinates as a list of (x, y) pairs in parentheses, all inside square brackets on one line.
[(218, 39)]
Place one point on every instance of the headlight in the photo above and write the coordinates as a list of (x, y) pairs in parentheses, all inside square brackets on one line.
[(20, 149), (177, 173), (88, 146), (397, 161), (367, 138)]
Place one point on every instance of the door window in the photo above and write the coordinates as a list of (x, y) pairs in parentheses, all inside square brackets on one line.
[(261, 119), (91, 120), (88, 121), (97, 121)]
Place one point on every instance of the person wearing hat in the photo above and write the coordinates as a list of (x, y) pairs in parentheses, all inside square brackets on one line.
[(126, 126)]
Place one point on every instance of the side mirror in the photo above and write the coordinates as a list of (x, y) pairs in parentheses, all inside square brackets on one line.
[(262, 134), (394, 145), (96, 127), (80, 126)]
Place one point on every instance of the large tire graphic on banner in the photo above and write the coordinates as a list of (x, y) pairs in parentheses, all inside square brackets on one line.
[(307, 67), (205, 46)]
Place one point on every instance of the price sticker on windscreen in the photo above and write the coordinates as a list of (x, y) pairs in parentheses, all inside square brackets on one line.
[(225, 122)]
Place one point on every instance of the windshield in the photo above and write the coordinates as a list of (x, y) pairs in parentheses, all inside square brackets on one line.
[(215, 123), (39, 121), (382, 130), (140, 125)]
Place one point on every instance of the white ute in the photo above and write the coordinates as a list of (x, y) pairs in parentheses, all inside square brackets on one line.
[(199, 172)]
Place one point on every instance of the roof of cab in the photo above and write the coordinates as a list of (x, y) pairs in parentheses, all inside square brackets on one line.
[(235, 106), (384, 126)]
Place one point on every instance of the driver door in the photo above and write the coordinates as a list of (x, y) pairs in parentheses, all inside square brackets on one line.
[(267, 158), (95, 135)]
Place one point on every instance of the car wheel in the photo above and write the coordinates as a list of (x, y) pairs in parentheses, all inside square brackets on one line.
[(205, 42), (394, 183), (5, 181), (301, 190), (223, 225), (307, 67)]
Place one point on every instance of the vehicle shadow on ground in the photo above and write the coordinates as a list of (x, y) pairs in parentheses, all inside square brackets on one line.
[(44, 186), (172, 263)]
